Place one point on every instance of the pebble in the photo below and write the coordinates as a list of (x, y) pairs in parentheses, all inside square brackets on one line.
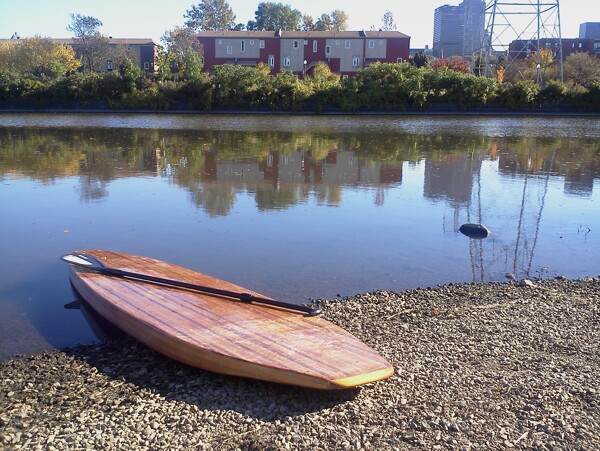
[(478, 366)]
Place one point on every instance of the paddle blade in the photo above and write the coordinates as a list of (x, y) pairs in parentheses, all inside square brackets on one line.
[(85, 260)]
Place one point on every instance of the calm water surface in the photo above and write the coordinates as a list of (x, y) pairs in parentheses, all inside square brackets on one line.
[(295, 207)]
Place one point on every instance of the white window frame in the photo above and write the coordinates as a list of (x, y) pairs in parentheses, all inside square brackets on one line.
[(399, 60), (230, 50), (287, 61), (315, 43), (296, 44), (371, 44), (261, 43), (146, 65), (347, 44), (355, 61), (271, 61), (327, 50)]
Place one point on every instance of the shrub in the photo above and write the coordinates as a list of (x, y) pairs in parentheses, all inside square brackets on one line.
[(523, 92)]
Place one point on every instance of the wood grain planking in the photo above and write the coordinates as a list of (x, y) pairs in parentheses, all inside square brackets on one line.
[(277, 351), (236, 338)]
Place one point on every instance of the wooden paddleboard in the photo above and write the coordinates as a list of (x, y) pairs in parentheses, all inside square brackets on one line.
[(225, 335)]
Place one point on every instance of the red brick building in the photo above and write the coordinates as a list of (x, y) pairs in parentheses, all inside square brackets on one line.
[(520, 49), (345, 52)]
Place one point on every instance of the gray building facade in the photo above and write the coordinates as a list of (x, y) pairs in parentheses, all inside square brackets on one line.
[(459, 30)]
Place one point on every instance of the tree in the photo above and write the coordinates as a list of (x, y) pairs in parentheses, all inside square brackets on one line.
[(38, 56), (582, 69), (308, 24), (276, 16), (388, 23), (420, 60), (210, 15), (337, 20), (89, 41), (182, 53), (540, 66), (455, 63)]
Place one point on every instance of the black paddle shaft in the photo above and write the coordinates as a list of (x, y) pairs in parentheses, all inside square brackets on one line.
[(92, 263)]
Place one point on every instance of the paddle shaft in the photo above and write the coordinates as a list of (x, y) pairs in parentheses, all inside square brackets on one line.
[(244, 297)]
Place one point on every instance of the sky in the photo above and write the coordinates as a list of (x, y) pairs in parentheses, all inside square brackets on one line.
[(151, 18)]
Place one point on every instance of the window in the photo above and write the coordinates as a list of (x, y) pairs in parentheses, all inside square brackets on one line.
[(243, 45), (296, 44), (305, 42), (337, 42), (287, 62), (109, 65), (146, 65), (371, 44), (344, 77), (314, 46), (220, 41), (328, 50), (271, 61), (261, 43), (399, 60), (347, 44), (356, 61), (229, 50)]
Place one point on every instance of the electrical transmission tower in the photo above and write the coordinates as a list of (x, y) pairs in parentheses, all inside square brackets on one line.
[(515, 29)]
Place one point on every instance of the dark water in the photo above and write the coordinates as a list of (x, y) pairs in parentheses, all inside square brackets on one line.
[(293, 207)]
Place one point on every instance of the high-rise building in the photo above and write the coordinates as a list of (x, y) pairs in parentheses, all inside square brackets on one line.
[(459, 30), (589, 30)]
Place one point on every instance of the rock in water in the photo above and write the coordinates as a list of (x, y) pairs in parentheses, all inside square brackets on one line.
[(474, 230)]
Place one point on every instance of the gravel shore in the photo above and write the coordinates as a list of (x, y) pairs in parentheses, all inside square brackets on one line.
[(482, 366)]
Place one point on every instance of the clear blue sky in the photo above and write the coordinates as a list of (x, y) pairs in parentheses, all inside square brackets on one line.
[(151, 18)]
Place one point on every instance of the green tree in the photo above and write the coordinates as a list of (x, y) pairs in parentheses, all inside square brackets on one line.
[(420, 60), (323, 86), (308, 23), (210, 15), (582, 69), (182, 54), (130, 74), (523, 92), (240, 86), (335, 21), (276, 16), (89, 42)]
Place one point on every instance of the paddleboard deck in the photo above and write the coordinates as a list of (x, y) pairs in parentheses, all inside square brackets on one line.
[(224, 335)]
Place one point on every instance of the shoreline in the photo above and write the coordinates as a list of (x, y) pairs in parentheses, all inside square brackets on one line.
[(478, 366), (490, 112)]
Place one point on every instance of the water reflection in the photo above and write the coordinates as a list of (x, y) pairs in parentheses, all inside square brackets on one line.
[(284, 169), (291, 212)]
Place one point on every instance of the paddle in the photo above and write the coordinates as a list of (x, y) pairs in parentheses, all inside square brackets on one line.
[(93, 264)]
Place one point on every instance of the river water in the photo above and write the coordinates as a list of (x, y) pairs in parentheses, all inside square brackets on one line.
[(295, 207)]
